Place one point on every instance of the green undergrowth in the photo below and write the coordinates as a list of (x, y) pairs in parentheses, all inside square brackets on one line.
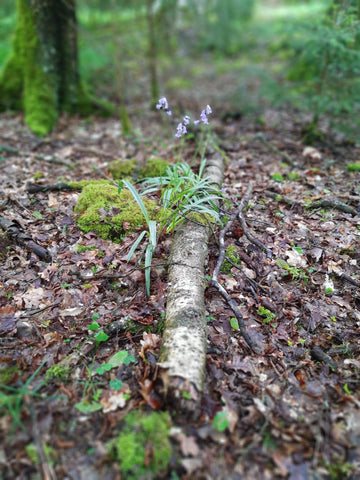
[(110, 214), (142, 448)]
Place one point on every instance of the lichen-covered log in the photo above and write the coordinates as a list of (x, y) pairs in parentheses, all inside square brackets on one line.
[(41, 75), (183, 354)]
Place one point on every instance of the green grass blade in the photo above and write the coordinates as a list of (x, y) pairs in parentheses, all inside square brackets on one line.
[(135, 245), (148, 259), (138, 199), (152, 233)]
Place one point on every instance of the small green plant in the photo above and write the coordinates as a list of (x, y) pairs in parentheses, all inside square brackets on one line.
[(118, 359), (267, 314), (12, 398), (100, 336), (185, 194), (37, 215), (278, 177), (346, 389), (221, 421), (83, 248), (142, 448), (234, 323), (297, 274), (353, 167), (151, 233)]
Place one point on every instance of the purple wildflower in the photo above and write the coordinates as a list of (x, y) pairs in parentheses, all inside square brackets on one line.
[(163, 104), (180, 130), (204, 118), (208, 110), (186, 120)]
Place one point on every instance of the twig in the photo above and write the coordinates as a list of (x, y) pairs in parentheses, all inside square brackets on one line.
[(321, 356), (35, 187), (343, 207), (215, 282), (346, 278), (16, 232), (248, 235)]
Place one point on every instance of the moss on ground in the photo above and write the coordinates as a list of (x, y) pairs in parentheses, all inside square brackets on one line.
[(154, 167), (126, 168), (231, 253), (110, 214), (142, 448), (123, 168)]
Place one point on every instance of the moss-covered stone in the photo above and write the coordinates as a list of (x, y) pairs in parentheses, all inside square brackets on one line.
[(154, 167), (110, 214), (122, 169), (231, 253), (142, 448)]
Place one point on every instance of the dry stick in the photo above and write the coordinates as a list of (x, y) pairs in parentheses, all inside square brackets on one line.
[(343, 207), (250, 237), (16, 232), (36, 187), (215, 282)]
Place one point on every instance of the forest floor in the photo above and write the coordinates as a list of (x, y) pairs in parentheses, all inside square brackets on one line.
[(291, 412)]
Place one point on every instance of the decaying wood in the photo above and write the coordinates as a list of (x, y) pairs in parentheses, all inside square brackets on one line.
[(16, 232), (183, 354)]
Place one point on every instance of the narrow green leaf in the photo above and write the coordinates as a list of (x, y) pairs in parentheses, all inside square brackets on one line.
[(135, 245), (138, 199), (148, 259), (152, 232)]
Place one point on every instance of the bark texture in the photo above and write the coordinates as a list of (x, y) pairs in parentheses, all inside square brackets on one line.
[(183, 353)]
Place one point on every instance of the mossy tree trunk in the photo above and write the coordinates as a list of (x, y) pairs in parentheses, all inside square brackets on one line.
[(41, 74)]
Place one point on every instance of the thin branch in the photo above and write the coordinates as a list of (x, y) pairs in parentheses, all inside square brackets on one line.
[(215, 282)]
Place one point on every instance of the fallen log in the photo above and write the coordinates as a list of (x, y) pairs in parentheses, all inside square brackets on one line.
[(183, 353)]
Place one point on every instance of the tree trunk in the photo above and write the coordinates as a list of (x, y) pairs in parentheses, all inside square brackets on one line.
[(41, 74)]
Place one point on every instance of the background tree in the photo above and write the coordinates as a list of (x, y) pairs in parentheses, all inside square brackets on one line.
[(41, 75)]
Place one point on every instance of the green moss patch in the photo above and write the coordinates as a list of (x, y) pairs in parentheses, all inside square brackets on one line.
[(127, 168), (142, 448), (231, 253), (154, 167), (122, 168), (110, 214), (353, 167)]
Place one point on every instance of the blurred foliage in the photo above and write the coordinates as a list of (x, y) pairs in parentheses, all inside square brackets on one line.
[(301, 53)]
